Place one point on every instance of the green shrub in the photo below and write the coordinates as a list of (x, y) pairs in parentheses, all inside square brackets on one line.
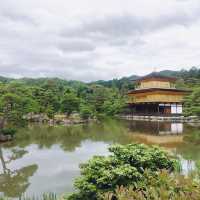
[(163, 186), (143, 157), (85, 112), (192, 103), (126, 166)]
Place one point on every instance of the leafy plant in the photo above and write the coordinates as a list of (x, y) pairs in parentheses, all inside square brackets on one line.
[(69, 103), (192, 103), (126, 166), (163, 186), (85, 112)]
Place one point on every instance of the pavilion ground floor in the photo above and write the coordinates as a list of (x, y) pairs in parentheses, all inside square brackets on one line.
[(156, 108)]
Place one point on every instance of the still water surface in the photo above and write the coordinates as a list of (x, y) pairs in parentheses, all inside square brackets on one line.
[(46, 159)]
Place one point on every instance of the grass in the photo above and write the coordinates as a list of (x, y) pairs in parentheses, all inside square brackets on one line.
[(45, 196)]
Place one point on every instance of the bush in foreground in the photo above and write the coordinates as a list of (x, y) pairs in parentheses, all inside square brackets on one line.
[(163, 186), (126, 166)]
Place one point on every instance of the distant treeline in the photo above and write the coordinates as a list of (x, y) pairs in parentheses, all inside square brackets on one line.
[(53, 95), (49, 96)]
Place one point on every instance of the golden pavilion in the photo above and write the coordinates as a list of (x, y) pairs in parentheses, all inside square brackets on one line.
[(155, 94)]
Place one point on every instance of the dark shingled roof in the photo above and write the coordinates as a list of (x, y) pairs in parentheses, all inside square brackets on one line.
[(156, 75)]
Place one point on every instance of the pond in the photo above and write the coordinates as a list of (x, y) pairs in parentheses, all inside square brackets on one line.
[(46, 159)]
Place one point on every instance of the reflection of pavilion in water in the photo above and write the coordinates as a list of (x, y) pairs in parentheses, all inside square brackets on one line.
[(170, 135), (164, 133)]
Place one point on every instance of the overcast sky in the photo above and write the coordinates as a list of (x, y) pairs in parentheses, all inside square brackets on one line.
[(97, 39)]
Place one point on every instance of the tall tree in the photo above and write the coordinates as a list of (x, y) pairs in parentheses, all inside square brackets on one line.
[(11, 107), (192, 103), (70, 103)]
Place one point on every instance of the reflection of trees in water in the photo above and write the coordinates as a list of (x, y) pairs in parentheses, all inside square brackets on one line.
[(190, 148), (13, 183), (15, 154), (192, 135), (111, 131), (71, 137), (189, 151)]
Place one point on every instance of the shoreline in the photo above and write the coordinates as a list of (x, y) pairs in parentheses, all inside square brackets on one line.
[(183, 119), (59, 119)]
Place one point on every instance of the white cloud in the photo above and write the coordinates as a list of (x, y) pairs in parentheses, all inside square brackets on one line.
[(89, 40)]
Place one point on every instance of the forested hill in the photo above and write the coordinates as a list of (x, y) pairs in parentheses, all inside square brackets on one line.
[(191, 76), (5, 80), (125, 82), (187, 78)]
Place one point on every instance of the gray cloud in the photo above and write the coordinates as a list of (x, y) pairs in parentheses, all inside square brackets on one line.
[(76, 45), (17, 17), (57, 39), (126, 25)]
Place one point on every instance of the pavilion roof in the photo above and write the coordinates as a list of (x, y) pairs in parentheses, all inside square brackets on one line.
[(158, 89), (155, 75)]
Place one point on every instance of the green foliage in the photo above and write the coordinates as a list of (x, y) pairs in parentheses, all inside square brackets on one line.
[(144, 157), (113, 106), (96, 96), (105, 100), (193, 138), (86, 112), (8, 131), (52, 96), (163, 186), (11, 107), (180, 84), (30, 105), (50, 112), (192, 103), (126, 166), (70, 103)]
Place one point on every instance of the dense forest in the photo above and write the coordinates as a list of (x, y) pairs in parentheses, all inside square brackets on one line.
[(54, 96), (51, 96)]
